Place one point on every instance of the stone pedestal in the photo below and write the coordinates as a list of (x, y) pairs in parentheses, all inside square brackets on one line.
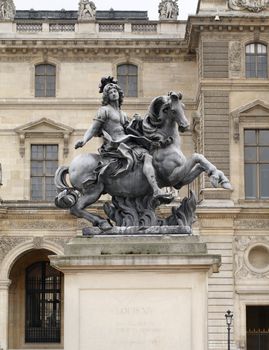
[(142, 292)]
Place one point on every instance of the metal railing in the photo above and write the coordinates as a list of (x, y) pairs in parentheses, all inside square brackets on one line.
[(257, 339)]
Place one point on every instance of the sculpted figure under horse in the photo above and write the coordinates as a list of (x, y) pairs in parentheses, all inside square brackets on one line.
[(136, 160)]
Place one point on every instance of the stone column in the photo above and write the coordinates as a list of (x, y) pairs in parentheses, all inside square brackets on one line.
[(4, 285)]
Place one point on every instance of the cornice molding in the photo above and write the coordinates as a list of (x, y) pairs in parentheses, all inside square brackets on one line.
[(95, 46), (226, 24), (44, 127)]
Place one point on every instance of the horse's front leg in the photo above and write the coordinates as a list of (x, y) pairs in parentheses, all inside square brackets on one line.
[(216, 176), (193, 167), (190, 177), (83, 202)]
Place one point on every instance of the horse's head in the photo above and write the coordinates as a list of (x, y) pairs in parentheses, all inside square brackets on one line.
[(176, 110), (168, 108)]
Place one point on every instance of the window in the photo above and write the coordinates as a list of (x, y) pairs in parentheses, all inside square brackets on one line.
[(257, 327), (45, 80), (256, 61), (256, 163), (44, 163), (43, 304), (127, 78)]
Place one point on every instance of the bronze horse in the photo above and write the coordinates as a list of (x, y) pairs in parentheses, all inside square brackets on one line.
[(160, 126)]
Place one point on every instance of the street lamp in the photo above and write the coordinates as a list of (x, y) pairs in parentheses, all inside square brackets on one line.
[(229, 319)]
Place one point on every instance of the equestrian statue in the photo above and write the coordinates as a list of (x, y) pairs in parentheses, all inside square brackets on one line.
[(136, 161)]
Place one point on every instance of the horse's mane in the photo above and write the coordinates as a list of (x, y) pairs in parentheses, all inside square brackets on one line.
[(153, 122)]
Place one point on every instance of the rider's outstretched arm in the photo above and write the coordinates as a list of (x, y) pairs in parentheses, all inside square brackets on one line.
[(93, 130)]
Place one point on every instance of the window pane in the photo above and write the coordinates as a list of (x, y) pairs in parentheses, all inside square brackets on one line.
[(50, 69), (264, 181), (132, 86), (40, 69), (132, 69), (50, 82), (40, 82), (122, 69), (51, 152), (250, 154), (250, 137), (51, 167), (264, 156), (251, 181), (50, 93), (37, 168), (122, 83), (261, 48), (250, 48), (264, 137), (50, 189), (36, 190), (37, 152)]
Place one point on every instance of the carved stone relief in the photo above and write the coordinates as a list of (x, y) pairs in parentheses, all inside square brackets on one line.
[(7, 10), (251, 257), (8, 243), (250, 5), (235, 58)]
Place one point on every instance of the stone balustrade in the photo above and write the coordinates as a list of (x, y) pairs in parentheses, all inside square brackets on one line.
[(102, 27)]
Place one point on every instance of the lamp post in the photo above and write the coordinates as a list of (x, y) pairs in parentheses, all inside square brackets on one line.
[(229, 319)]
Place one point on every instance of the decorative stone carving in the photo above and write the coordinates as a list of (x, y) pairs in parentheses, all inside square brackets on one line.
[(7, 10), (8, 243), (168, 9), (44, 128), (86, 10), (37, 242), (251, 257), (235, 58), (250, 5), (254, 112)]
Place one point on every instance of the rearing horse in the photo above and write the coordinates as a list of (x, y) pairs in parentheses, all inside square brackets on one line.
[(160, 126)]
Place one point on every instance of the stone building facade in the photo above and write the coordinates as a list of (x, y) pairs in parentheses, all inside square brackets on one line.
[(51, 63)]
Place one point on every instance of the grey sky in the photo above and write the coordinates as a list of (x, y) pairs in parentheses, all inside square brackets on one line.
[(185, 6)]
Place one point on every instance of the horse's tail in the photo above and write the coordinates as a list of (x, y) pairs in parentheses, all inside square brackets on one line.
[(67, 196)]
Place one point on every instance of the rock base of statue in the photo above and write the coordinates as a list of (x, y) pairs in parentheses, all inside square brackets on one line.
[(136, 292)]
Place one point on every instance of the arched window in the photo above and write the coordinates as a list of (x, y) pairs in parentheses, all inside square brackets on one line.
[(43, 304), (45, 80), (127, 75), (256, 60)]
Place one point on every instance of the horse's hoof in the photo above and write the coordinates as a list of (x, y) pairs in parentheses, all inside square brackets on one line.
[(226, 185), (105, 226), (164, 198)]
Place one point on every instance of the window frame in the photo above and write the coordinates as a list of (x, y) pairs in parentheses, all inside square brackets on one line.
[(253, 115), (258, 162), (44, 176), (127, 77), (45, 78), (256, 56)]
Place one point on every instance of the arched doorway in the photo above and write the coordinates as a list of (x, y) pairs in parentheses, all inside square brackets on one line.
[(35, 303)]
